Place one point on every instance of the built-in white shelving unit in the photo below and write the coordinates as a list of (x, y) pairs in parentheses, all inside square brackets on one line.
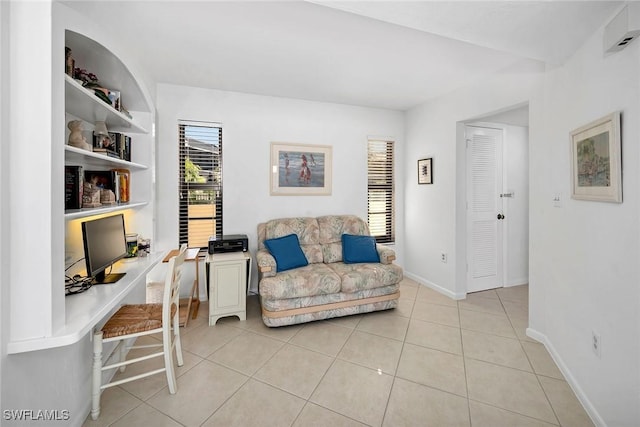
[(72, 318)]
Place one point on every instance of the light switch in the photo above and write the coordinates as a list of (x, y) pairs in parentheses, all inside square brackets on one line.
[(557, 200)]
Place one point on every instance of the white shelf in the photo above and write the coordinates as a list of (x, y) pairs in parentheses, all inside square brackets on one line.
[(89, 158), (83, 103), (84, 311), (86, 212)]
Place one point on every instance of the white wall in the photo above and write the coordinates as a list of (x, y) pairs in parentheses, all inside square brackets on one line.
[(4, 183), (583, 257), (516, 181), (250, 123), (435, 214), (584, 268)]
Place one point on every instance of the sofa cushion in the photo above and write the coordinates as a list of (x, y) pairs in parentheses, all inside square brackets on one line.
[(305, 228), (314, 279), (356, 277), (332, 252), (312, 252), (357, 249), (332, 227), (287, 252)]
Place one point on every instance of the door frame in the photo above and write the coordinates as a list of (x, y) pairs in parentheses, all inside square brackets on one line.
[(460, 240)]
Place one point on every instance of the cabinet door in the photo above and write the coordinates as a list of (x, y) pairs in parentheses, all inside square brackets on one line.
[(227, 283)]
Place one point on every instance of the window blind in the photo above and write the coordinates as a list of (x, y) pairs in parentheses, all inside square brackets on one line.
[(380, 191), (199, 182)]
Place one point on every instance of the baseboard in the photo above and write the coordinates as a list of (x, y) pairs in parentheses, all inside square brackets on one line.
[(582, 397), (517, 282), (435, 287)]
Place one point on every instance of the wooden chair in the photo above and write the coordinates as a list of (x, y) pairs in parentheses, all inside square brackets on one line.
[(132, 321)]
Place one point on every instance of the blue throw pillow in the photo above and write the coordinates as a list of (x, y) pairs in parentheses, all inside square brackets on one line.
[(287, 252), (357, 249)]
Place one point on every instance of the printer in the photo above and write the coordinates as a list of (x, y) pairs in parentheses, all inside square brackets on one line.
[(229, 243)]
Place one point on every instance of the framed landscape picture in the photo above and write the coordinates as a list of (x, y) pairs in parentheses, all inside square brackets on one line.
[(425, 171), (300, 170), (596, 164)]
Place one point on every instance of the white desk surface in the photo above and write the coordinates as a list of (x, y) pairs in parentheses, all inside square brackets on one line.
[(84, 311)]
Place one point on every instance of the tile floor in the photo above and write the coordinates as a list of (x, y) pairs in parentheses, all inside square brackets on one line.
[(432, 361)]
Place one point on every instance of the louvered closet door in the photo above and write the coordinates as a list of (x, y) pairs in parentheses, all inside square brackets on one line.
[(484, 205)]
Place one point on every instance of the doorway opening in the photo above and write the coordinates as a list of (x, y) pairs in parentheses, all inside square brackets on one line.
[(492, 222)]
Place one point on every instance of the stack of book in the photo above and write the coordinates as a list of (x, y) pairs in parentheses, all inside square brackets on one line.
[(122, 181), (122, 145), (116, 145), (106, 152), (73, 187)]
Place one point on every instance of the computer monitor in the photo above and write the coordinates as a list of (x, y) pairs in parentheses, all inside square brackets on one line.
[(104, 244)]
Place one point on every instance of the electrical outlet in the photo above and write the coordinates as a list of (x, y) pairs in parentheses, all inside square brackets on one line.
[(596, 343), (443, 257)]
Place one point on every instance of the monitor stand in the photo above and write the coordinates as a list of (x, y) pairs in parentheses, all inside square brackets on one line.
[(103, 279)]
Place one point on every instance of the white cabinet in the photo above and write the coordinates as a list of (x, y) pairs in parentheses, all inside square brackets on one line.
[(228, 275)]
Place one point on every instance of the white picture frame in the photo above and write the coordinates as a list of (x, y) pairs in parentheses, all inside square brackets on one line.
[(596, 161)]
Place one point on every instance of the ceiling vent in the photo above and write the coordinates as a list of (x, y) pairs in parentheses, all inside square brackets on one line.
[(622, 29)]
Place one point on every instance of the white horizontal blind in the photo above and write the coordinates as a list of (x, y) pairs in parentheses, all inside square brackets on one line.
[(380, 191), (199, 182)]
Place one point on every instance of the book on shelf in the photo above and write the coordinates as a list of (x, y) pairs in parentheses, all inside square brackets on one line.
[(122, 179), (127, 149), (73, 187), (106, 152), (122, 145)]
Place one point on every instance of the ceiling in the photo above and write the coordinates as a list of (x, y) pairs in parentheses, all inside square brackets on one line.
[(384, 54)]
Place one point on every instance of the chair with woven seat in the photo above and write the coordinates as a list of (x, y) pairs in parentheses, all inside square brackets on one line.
[(136, 320)]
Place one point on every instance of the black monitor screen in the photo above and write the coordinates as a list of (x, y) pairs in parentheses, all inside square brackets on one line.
[(104, 244)]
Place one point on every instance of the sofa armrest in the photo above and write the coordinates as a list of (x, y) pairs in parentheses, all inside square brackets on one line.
[(386, 254), (266, 263)]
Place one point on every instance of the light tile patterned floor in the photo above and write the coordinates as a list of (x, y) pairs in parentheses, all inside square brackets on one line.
[(432, 361)]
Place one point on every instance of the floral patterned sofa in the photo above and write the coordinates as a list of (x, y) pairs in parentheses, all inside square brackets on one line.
[(326, 287)]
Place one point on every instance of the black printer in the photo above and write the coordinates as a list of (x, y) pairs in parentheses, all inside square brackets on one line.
[(229, 243)]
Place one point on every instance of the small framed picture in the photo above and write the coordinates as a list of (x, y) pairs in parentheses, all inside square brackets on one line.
[(425, 171), (103, 141)]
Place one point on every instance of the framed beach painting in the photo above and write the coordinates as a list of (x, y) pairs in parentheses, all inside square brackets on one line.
[(596, 163), (300, 169)]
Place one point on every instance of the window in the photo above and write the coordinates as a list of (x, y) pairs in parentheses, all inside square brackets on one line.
[(380, 213), (200, 182)]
